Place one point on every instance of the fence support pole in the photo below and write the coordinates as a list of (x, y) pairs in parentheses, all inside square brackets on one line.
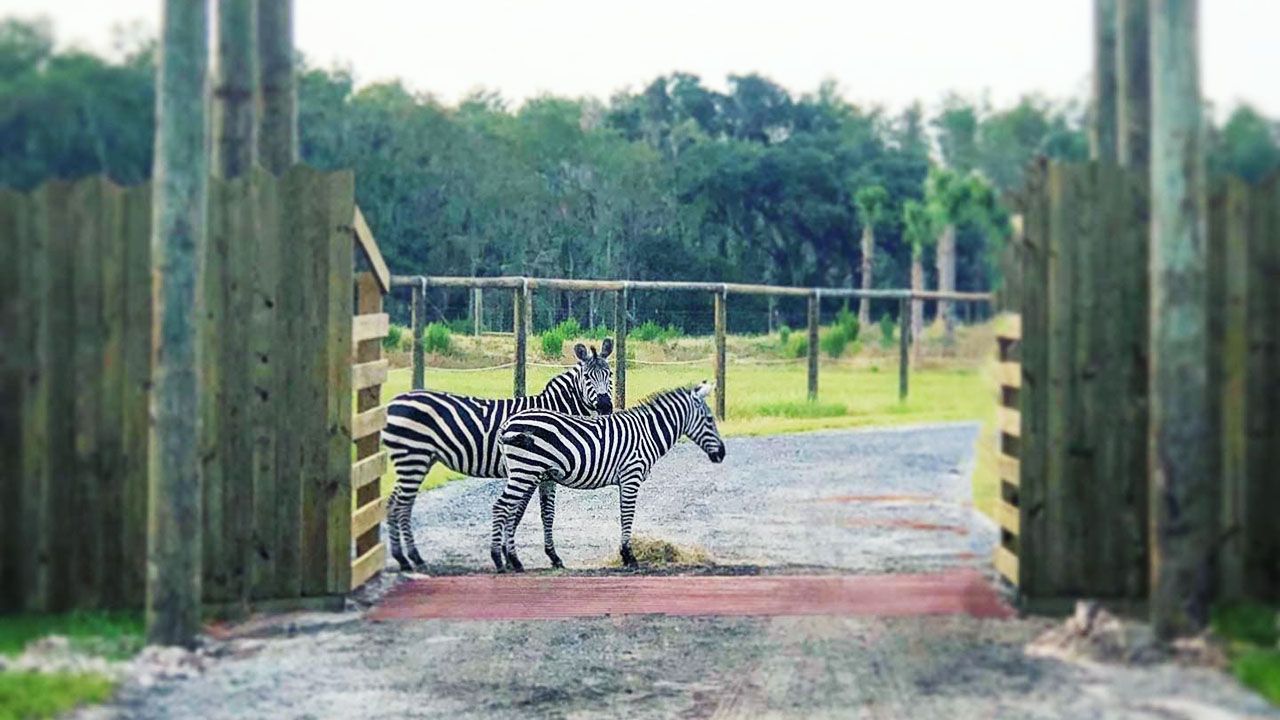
[(520, 319), (620, 347), (813, 346), (417, 312), (721, 299), (477, 309), (904, 347)]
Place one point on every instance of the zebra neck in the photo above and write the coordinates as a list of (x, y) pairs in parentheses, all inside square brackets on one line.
[(561, 395)]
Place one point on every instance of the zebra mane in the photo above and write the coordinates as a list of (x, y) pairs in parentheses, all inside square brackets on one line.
[(653, 397)]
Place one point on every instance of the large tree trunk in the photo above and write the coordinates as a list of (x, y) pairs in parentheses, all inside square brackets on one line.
[(917, 306), (1184, 493), (947, 280), (179, 202), (1102, 131), (868, 251), (278, 111), (1133, 85), (235, 147)]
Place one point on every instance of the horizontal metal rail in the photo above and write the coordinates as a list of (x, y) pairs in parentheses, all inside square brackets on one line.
[(511, 282)]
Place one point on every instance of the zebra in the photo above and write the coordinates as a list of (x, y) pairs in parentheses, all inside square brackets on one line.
[(425, 427), (542, 448)]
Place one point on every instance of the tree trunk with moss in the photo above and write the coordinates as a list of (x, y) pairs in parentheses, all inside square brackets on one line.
[(179, 201)]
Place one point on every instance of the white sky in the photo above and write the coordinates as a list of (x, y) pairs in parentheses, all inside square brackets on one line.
[(880, 52)]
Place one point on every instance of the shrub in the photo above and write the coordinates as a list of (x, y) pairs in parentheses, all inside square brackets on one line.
[(650, 331), (552, 343), (847, 321), (887, 326), (462, 326), (394, 337), (437, 338), (833, 341), (798, 346), (784, 334), (569, 329), (598, 332)]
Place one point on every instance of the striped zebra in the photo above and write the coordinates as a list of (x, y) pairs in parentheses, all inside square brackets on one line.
[(425, 427), (542, 448)]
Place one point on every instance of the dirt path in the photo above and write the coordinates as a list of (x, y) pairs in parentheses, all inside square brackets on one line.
[(829, 504)]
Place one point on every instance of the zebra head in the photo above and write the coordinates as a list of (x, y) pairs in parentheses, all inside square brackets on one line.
[(595, 378), (701, 427)]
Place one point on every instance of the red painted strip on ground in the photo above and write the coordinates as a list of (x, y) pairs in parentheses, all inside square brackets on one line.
[(548, 597)]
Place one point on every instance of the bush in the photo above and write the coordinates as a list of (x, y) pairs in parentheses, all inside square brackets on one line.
[(394, 337), (798, 346), (833, 341), (568, 329), (552, 343), (437, 338), (462, 326), (847, 321), (650, 331), (887, 326), (598, 332), (784, 333)]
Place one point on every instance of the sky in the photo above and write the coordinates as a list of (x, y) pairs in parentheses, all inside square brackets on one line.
[(879, 52)]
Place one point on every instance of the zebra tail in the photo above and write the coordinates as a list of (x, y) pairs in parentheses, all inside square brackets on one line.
[(524, 441)]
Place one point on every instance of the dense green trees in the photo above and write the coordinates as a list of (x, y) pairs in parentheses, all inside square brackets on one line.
[(678, 180)]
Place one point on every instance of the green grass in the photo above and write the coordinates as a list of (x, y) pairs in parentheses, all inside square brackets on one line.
[(25, 695), (762, 399), (1252, 631), (114, 635)]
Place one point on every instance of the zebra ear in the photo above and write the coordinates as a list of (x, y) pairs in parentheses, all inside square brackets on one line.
[(703, 390), (606, 348), (580, 351)]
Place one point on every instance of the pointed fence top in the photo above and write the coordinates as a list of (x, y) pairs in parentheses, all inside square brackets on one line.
[(365, 241)]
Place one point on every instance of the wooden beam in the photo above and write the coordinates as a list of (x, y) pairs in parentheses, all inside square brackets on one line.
[(721, 323), (813, 346), (1009, 421), (1009, 374), (1009, 469), (1009, 326), (1133, 85), (1006, 564), (1102, 129), (368, 422), (366, 243), (369, 327), (368, 516), (904, 348), (368, 565), (418, 319), (521, 314), (368, 374), (620, 330), (368, 470), (1007, 517)]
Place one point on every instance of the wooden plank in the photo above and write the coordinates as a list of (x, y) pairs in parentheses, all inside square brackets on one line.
[(368, 422), (137, 387), (85, 288), (1032, 397), (14, 324), (368, 564), (814, 311), (621, 328), (1009, 421), (1007, 565), (1009, 374), (213, 328), (369, 374), (369, 327), (368, 470), (293, 328), (264, 343), (721, 327), (418, 314), (341, 306), (1009, 326), (111, 467), (1009, 469), (367, 244), (1007, 517), (521, 314), (238, 402), (368, 516), (368, 300)]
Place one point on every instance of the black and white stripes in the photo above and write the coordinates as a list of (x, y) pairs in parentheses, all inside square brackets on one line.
[(541, 448), (426, 427)]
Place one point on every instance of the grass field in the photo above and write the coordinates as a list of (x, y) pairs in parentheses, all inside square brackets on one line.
[(766, 399)]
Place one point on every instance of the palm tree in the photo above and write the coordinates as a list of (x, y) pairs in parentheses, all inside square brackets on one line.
[(872, 202)]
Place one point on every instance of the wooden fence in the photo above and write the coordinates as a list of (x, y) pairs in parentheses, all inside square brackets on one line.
[(1081, 428), (276, 420), (523, 288)]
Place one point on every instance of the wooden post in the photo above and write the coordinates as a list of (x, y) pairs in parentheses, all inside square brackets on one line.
[(721, 300), (417, 313), (234, 141), (1102, 131), (520, 321), (278, 121), (1184, 497), (477, 310), (620, 330), (813, 346), (180, 187), (904, 347), (1133, 88)]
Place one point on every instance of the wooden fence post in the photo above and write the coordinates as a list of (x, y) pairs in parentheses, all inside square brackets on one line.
[(721, 300), (417, 310), (520, 320), (1184, 492), (1102, 134), (477, 310), (620, 347), (813, 346), (904, 347), (1133, 84)]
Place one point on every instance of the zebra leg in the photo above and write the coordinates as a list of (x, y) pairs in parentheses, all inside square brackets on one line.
[(507, 510), (513, 521), (547, 502), (628, 491), (410, 472)]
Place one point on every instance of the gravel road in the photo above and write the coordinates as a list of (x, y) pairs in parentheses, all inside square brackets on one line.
[(835, 502)]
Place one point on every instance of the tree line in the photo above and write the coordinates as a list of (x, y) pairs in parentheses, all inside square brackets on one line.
[(677, 180)]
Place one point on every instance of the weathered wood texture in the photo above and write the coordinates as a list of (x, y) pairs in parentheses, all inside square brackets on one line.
[(814, 309), (1102, 128), (1008, 508), (721, 328), (76, 375), (365, 515), (1081, 396), (621, 328)]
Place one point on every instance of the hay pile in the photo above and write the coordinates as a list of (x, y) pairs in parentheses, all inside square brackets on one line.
[(652, 551)]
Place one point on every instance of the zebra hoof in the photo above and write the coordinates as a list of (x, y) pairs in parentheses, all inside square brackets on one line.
[(629, 559), (420, 567), (497, 560), (514, 564), (555, 559)]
